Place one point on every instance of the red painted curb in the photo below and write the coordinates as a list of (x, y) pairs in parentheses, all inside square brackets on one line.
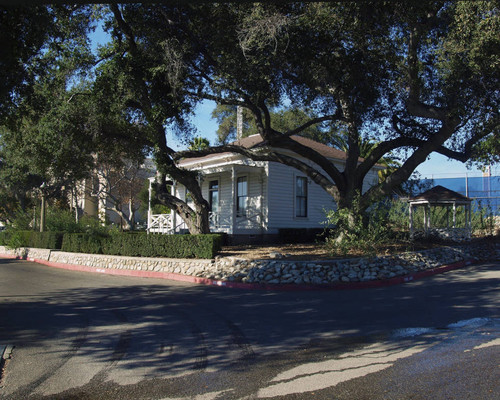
[(254, 286)]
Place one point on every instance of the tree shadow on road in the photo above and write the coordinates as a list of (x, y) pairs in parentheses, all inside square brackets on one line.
[(184, 336)]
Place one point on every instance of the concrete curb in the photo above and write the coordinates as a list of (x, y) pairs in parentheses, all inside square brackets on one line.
[(254, 286)]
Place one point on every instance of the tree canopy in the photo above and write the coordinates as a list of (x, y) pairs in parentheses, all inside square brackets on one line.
[(408, 78), (413, 77)]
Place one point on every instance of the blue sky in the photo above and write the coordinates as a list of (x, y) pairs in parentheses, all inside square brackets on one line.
[(437, 166)]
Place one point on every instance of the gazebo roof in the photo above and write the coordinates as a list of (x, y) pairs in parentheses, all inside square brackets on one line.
[(440, 194)]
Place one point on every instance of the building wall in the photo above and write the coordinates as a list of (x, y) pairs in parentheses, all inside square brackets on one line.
[(282, 197), (282, 200), (271, 199)]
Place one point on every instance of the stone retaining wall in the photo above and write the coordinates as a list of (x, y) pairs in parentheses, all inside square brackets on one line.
[(276, 271), (179, 266)]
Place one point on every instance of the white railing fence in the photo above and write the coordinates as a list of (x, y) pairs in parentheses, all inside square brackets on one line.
[(163, 223), (160, 223), (219, 222)]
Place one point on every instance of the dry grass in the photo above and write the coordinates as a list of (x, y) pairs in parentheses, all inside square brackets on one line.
[(317, 251)]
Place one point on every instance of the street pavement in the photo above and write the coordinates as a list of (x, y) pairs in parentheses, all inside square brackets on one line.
[(80, 335)]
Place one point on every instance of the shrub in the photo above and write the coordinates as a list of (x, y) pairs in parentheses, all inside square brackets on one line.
[(4, 238), (144, 245), (365, 232), (57, 220), (41, 240), (82, 243)]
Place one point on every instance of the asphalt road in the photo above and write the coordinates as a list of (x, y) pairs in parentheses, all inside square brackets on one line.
[(90, 336)]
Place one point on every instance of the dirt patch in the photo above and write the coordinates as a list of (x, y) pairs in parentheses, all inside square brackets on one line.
[(309, 251), (318, 251)]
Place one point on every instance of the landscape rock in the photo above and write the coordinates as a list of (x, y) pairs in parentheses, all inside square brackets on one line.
[(276, 272)]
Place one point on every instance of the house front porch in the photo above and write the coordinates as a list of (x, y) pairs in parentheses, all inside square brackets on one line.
[(236, 195)]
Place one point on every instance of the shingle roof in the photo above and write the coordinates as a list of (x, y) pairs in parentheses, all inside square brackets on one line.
[(255, 140), (440, 193)]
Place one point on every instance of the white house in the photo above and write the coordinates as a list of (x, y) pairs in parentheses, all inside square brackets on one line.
[(254, 199)]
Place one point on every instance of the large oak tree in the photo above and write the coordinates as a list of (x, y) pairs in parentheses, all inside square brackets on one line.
[(416, 77)]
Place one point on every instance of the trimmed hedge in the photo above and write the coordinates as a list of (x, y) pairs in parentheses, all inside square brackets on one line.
[(40, 240), (144, 245)]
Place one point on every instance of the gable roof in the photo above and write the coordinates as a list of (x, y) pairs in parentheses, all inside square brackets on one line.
[(440, 194), (256, 140)]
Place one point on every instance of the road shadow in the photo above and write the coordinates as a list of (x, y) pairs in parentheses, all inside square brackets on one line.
[(185, 332)]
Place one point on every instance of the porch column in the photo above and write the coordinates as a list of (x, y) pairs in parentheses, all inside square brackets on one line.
[(233, 200), (411, 220), (261, 202), (469, 220), (149, 206), (454, 215), (426, 219), (172, 211)]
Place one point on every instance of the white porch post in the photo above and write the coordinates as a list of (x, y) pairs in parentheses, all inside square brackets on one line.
[(411, 220), (233, 200), (469, 220), (149, 206), (426, 219), (261, 201), (454, 215), (172, 211)]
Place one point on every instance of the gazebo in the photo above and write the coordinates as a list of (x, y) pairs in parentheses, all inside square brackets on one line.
[(438, 224)]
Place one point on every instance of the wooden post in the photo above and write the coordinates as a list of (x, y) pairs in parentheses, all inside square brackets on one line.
[(173, 213), (426, 219), (149, 207), (454, 215), (233, 200), (411, 220)]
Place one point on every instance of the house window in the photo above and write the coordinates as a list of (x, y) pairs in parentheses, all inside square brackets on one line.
[(300, 196), (213, 196), (241, 196)]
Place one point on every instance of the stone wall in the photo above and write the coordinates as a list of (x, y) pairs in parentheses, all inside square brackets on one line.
[(179, 266), (277, 271), (348, 270)]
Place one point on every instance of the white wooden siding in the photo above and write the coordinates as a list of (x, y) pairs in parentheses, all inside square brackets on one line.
[(271, 199), (282, 200)]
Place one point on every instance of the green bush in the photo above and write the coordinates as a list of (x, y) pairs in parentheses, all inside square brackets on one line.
[(58, 220), (40, 240), (4, 238), (144, 245), (46, 240), (365, 231)]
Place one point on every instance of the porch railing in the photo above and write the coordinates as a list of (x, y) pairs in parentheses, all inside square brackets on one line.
[(160, 223), (219, 222), (163, 223)]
